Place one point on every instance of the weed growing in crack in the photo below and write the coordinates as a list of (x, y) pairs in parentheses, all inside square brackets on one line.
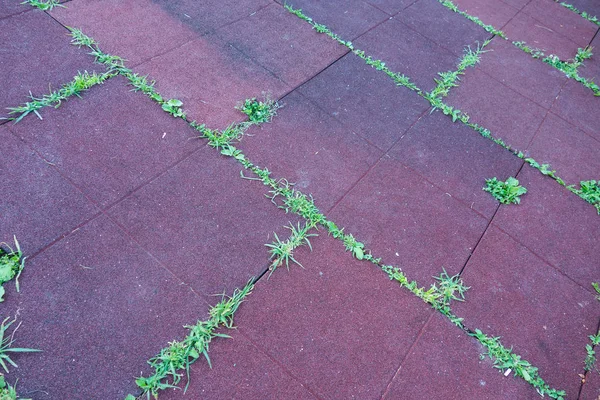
[(258, 111), (590, 359), (173, 107), (596, 287), (505, 192), (591, 18), (46, 5), (12, 263), (8, 392), (6, 344), (589, 191), (450, 288), (283, 252)]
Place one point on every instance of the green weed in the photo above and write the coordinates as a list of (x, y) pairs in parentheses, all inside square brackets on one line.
[(597, 289), (583, 14), (12, 263), (283, 252), (590, 192), (173, 107), (44, 5), (259, 112), (6, 342), (505, 192), (8, 392)]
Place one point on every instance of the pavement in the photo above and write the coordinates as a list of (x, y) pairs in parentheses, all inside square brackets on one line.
[(133, 227)]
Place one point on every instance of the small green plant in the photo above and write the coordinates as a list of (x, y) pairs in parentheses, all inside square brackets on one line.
[(451, 288), (590, 192), (590, 359), (8, 392), (12, 263), (173, 107), (597, 289), (259, 111), (283, 252), (6, 342), (355, 247), (46, 5), (505, 192)]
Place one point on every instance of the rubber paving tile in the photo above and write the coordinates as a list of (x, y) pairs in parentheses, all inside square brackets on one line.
[(409, 223), (120, 29), (591, 387), (391, 6), (349, 19), (283, 44), (311, 149), (445, 364), (299, 317), (570, 151), (579, 106), (109, 142), (507, 114), (516, 69), (514, 295), (28, 40), (455, 158), (450, 30), (491, 12), (240, 371), (9, 7), (555, 225), (206, 222), (211, 78), (99, 307), (365, 100), (38, 205)]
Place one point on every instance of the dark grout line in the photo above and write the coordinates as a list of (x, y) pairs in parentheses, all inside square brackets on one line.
[(586, 373), (28, 9), (547, 27)]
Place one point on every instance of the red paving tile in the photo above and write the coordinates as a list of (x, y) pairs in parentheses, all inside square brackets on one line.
[(556, 225), (38, 205), (492, 12), (110, 141), (9, 7), (446, 28), (516, 3), (366, 101), (312, 149), (445, 364), (89, 302), (205, 222), (409, 223), (529, 77), (111, 24), (572, 153), (27, 41), (348, 19), (507, 114), (514, 295), (579, 106), (455, 158), (283, 44), (211, 78), (339, 325), (414, 55)]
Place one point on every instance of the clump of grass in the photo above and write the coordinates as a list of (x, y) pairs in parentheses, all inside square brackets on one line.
[(505, 192), (173, 107), (12, 263), (283, 251), (589, 191), (258, 111), (8, 392), (6, 344), (590, 359), (44, 5)]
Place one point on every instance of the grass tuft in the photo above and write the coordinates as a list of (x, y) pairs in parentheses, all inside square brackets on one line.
[(6, 344), (44, 5), (12, 263), (505, 192)]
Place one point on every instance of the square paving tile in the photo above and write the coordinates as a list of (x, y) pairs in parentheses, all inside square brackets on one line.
[(391, 6), (283, 44), (27, 41), (308, 147), (491, 12), (456, 158), (408, 222), (348, 19), (205, 222), (579, 106), (299, 317), (562, 20), (450, 30), (133, 29), (211, 78), (406, 51), (365, 100), (110, 141), (514, 295), (491, 104), (99, 307), (570, 151), (531, 78), (556, 225), (445, 364), (9, 7), (38, 205)]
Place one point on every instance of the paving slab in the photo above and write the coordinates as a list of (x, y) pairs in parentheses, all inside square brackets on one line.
[(28, 40), (557, 226), (348, 19), (391, 7), (406, 51), (409, 223), (562, 20), (450, 30), (109, 142), (240, 371), (455, 158), (38, 205), (491, 104), (524, 28), (535, 80), (592, 7), (579, 106), (211, 78), (516, 3), (571, 152), (445, 364), (89, 302), (120, 29), (366, 101), (9, 7), (283, 44), (299, 317), (311, 149), (491, 12), (206, 222), (514, 295)]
